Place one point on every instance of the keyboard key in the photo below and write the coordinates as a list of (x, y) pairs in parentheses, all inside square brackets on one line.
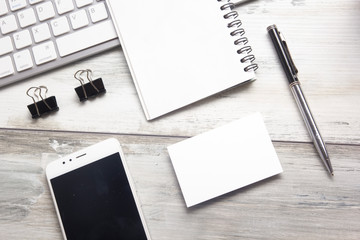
[(64, 6), (6, 67), (60, 26), (81, 3), (5, 45), (23, 60), (3, 7), (85, 38), (98, 12), (44, 52), (41, 32), (22, 39), (45, 11), (8, 24), (26, 17), (17, 4), (35, 1), (79, 19)]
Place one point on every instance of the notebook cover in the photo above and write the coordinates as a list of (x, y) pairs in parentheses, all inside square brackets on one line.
[(177, 54)]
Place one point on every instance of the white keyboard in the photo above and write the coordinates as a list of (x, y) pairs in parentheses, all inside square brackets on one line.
[(39, 35)]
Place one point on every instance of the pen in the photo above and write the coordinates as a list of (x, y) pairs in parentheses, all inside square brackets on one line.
[(291, 73)]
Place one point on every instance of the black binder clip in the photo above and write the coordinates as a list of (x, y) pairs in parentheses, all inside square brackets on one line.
[(45, 105), (90, 89)]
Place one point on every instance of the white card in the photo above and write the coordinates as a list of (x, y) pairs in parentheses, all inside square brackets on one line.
[(224, 159)]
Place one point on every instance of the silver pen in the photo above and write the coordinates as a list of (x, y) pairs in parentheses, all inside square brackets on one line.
[(294, 84)]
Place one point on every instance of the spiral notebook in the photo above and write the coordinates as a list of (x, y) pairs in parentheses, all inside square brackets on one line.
[(182, 52)]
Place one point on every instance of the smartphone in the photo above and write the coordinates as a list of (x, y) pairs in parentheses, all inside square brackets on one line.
[(94, 196)]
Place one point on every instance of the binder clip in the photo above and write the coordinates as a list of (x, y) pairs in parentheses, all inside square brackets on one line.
[(45, 105), (90, 89)]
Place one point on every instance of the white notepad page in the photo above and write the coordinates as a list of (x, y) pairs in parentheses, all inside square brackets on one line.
[(178, 52), (224, 159)]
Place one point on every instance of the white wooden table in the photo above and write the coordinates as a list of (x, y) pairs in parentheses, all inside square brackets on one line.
[(303, 202)]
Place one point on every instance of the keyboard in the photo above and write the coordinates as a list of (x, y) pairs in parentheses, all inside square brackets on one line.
[(40, 35)]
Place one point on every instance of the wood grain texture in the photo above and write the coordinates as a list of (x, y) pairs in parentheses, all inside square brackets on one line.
[(301, 203), (323, 37)]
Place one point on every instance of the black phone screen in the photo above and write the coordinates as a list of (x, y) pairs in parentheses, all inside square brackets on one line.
[(96, 202)]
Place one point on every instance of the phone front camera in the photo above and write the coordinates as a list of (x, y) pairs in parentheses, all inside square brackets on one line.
[(63, 162)]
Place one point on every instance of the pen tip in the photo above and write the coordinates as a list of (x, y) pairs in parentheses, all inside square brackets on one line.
[(328, 166)]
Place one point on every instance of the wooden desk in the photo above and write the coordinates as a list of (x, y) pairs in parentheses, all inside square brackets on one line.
[(301, 203)]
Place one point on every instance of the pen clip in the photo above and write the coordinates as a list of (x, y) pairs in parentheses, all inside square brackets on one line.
[(288, 55)]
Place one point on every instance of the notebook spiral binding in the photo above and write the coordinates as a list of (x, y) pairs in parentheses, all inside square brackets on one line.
[(241, 41)]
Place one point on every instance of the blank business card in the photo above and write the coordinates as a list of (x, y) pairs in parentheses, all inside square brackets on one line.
[(224, 159)]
